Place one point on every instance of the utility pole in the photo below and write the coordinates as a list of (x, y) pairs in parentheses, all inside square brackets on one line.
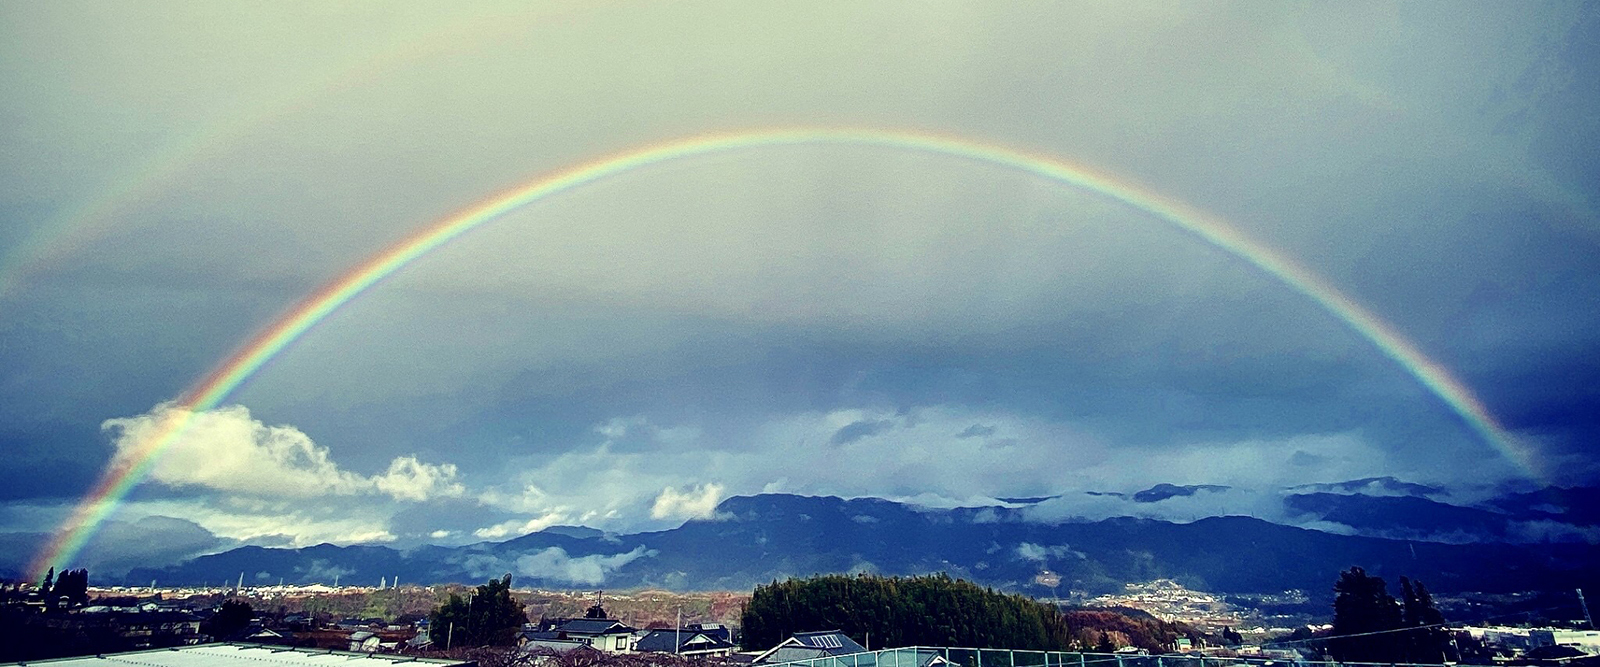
[(677, 634)]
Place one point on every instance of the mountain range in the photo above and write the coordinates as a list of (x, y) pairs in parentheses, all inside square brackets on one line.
[(1496, 546)]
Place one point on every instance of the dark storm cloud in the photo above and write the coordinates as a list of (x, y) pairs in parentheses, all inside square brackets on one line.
[(857, 430), (976, 431), (120, 546)]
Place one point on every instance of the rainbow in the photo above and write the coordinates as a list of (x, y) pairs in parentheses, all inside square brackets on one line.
[(128, 470)]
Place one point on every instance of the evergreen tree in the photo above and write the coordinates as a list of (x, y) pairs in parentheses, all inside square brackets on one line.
[(45, 586), (73, 585), (1430, 641), (490, 617), (1363, 606), (1104, 645), (1231, 638), (933, 610), (230, 620)]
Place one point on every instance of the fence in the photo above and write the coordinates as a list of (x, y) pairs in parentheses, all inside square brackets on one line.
[(928, 656)]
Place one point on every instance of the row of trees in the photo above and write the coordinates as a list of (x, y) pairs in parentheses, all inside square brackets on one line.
[(932, 610), (70, 584), (1369, 625)]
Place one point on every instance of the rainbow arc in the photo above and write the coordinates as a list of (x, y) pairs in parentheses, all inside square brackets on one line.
[(271, 341)]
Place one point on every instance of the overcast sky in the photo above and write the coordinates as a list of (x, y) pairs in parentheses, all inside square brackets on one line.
[(811, 319)]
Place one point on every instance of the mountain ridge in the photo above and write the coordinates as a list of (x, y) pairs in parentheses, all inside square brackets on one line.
[(760, 538)]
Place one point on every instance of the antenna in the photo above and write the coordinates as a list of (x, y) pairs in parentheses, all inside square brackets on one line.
[(1585, 606)]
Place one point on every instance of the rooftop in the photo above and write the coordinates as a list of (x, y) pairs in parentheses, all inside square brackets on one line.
[(237, 655)]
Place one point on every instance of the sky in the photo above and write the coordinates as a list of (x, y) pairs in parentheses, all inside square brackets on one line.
[(822, 318)]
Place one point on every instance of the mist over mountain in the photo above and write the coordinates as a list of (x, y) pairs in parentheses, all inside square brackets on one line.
[(1372, 486), (755, 539)]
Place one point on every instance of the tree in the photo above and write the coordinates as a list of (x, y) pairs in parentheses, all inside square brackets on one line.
[(490, 617), (73, 585), (596, 611), (1104, 644), (1231, 638), (44, 586), (231, 619), (932, 610), (1429, 641), (1362, 605)]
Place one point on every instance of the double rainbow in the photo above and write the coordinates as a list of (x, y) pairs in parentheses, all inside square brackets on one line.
[(130, 469)]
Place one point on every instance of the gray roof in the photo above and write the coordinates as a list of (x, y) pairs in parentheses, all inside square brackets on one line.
[(557, 645), (594, 626), (666, 641), (238, 655), (809, 645), (792, 654), (832, 641)]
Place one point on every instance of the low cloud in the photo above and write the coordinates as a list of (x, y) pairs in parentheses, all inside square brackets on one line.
[(1041, 553), (516, 527), (699, 502), (225, 449), (555, 564)]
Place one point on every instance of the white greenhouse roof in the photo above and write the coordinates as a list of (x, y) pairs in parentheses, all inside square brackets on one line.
[(238, 655)]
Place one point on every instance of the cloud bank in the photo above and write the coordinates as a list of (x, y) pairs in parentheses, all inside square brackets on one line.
[(225, 449)]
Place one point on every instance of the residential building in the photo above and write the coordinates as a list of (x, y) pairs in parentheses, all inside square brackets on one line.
[(684, 642), (808, 645)]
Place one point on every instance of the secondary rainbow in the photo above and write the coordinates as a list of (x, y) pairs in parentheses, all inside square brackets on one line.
[(117, 481)]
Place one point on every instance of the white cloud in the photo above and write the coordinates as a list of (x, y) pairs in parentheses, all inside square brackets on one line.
[(1031, 551), (410, 479), (225, 449), (554, 563), (699, 502), (517, 527)]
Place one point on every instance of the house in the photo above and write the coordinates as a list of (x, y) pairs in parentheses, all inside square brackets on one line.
[(256, 634), (1587, 641), (713, 630), (364, 641), (808, 645), (684, 641), (549, 645), (605, 634), (421, 642)]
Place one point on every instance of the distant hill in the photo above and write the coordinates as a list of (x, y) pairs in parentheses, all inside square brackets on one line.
[(1579, 506), (1406, 517), (1372, 486), (758, 539), (1162, 492)]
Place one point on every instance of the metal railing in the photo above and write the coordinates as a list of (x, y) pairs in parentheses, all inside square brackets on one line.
[(930, 656)]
